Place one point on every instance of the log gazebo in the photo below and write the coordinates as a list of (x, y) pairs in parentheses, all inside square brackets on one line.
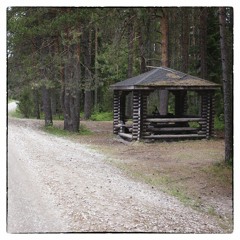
[(170, 126)]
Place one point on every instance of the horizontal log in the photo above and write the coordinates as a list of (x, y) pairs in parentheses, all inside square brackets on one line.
[(201, 132), (165, 120), (125, 135), (123, 125), (146, 134), (165, 136), (174, 129)]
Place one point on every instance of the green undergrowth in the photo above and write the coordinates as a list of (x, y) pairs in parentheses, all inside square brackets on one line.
[(10, 100), (15, 114), (218, 123), (102, 116)]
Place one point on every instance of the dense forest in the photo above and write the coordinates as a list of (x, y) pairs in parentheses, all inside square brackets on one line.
[(62, 60)]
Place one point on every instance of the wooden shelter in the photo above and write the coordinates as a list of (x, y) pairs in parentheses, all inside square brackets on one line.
[(170, 126)]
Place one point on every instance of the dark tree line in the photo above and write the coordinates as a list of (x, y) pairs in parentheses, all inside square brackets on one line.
[(63, 60)]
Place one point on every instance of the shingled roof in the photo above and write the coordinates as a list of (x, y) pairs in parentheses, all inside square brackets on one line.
[(164, 78)]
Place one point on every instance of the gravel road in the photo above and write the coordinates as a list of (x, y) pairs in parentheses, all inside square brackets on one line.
[(57, 185), (12, 106)]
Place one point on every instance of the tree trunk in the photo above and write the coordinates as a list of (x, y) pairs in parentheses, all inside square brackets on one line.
[(203, 42), (185, 40), (72, 95), (47, 106), (96, 104), (227, 88), (88, 101), (71, 87), (130, 66), (163, 107), (87, 104), (36, 103), (53, 101), (141, 50)]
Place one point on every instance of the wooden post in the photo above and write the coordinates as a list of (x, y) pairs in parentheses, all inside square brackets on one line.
[(137, 112), (116, 111), (204, 111), (212, 116), (207, 114), (211, 113), (145, 123)]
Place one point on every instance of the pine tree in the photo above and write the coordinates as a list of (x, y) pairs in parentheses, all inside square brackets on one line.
[(227, 87), (163, 108)]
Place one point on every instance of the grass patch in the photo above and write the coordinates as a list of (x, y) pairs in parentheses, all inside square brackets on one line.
[(57, 131), (220, 171), (163, 182), (102, 116), (64, 133), (180, 195), (84, 130)]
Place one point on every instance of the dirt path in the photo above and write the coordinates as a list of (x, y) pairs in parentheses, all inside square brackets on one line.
[(56, 185)]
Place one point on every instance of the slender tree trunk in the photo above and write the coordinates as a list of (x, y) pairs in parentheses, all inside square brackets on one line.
[(47, 106), (163, 107), (141, 50), (185, 40), (36, 103), (130, 50), (130, 66), (88, 101), (227, 88), (36, 90), (203, 42), (96, 105), (53, 102)]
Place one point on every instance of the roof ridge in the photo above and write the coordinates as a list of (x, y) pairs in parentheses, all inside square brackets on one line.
[(147, 75), (164, 68)]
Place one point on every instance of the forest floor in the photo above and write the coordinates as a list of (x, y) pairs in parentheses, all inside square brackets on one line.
[(97, 182)]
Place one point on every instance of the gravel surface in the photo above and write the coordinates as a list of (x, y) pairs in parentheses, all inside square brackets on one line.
[(56, 185)]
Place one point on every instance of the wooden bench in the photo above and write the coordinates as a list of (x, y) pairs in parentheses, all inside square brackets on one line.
[(173, 127)]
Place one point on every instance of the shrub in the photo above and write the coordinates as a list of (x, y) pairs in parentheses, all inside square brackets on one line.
[(219, 123), (102, 116), (25, 104)]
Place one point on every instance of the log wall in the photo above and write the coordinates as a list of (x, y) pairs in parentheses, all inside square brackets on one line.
[(118, 110), (207, 112)]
